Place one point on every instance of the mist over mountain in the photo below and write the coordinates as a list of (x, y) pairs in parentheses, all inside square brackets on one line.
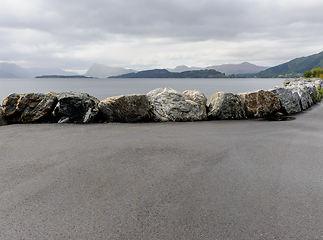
[(293, 68), (15, 70), (103, 71), (11, 70), (184, 68), (49, 71), (6, 75)]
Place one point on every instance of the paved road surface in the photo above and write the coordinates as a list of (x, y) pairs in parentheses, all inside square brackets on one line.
[(246, 179)]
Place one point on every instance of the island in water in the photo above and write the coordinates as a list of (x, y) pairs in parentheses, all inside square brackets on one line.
[(164, 73), (63, 76)]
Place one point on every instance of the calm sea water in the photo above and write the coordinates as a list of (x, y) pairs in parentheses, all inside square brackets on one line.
[(103, 88)]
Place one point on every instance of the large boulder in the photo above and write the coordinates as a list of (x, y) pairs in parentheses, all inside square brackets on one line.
[(2, 118), (226, 106), (260, 104), (28, 108), (289, 100), (76, 107), (313, 87), (199, 98), (35, 107), (125, 108), (304, 93), (10, 110), (305, 88), (296, 81), (170, 105)]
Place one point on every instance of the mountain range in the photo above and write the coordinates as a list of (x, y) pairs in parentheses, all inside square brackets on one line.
[(228, 69), (295, 67), (11, 70), (103, 71), (164, 73)]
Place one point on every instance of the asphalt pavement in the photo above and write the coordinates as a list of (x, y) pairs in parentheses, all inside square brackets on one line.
[(239, 179)]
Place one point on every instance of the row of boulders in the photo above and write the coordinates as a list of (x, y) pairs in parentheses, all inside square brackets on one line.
[(161, 104)]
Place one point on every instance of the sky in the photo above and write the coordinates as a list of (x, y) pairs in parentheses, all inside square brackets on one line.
[(148, 34)]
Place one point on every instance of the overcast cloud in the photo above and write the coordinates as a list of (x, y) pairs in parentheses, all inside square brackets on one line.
[(145, 34)]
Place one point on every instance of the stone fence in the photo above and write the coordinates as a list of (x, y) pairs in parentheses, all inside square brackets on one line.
[(161, 104)]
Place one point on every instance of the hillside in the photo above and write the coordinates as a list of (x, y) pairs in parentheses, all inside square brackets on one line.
[(103, 71), (294, 67), (4, 74), (184, 68), (228, 69), (163, 73), (49, 71), (14, 69), (242, 68), (11, 70)]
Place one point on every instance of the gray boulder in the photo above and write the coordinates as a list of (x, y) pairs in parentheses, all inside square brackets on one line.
[(260, 104), (125, 108), (296, 81), (10, 110), (170, 105), (78, 107), (289, 100), (199, 98), (2, 118), (312, 87), (304, 94), (35, 107), (226, 106)]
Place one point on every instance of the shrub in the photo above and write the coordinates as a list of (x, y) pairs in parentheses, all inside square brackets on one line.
[(308, 74), (318, 94)]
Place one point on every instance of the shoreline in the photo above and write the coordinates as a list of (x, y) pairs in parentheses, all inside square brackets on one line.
[(161, 104)]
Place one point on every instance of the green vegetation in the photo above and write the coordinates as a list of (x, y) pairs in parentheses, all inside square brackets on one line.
[(294, 68), (315, 73), (318, 94)]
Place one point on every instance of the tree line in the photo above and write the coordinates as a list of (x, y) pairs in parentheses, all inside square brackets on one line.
[(315, 73)]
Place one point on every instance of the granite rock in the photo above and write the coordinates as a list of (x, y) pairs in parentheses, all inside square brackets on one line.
[(10, 110), (125, 108), (260, 104), (28, 108), (289, 100), (2, 118), (226, 106), (170, 105), (78, 107), (304, 94), (199, 98), (35, 107)]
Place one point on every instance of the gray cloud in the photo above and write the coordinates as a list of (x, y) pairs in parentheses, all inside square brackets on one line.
[(75, 33)]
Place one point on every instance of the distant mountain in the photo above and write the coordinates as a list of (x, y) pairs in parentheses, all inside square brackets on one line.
[(11, 70), (294, 67), (6, 75), (103, 71), (242, 68), (15, 70), (163, 73), (50, 71), (184, 68), (228, 69)]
